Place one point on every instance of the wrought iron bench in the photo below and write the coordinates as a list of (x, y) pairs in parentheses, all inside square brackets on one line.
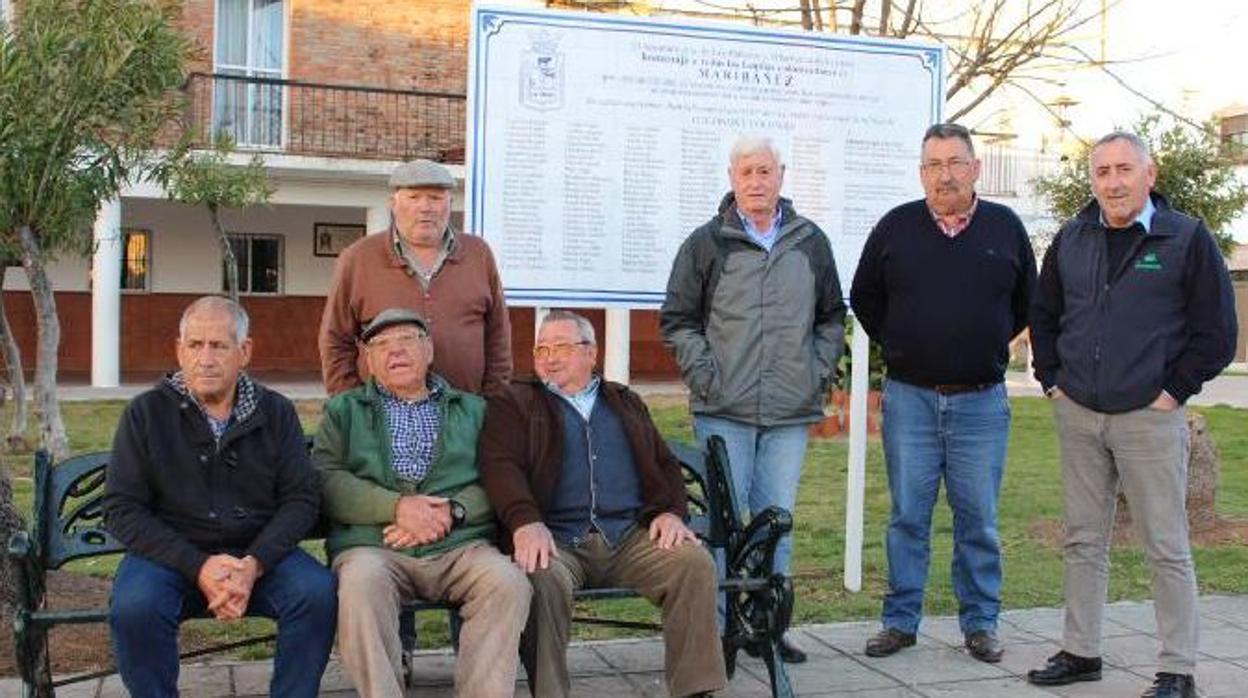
[(68, 525)]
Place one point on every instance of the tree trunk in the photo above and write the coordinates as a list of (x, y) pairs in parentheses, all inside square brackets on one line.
[(227, 253), (16, 439), (51, 425), (10, 522)]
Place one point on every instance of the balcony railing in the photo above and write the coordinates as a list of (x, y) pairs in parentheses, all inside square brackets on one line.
[(305, 118)]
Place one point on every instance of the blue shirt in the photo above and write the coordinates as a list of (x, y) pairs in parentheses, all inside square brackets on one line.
[(582, 402), (765, 238), (414, 428), (1145, 218)]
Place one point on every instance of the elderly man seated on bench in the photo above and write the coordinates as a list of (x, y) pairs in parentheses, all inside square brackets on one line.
[(409, 520), (592, 496), (209, 488)]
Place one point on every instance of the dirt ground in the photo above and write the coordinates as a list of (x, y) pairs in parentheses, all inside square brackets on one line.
[(1225, 531)]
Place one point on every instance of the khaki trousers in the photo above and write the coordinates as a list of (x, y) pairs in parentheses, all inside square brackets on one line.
[(1146, 451), (681, 581), (374, 582)]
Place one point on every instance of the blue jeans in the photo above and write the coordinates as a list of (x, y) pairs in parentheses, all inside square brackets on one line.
[(766, 466), (961, 438), (150, 600)]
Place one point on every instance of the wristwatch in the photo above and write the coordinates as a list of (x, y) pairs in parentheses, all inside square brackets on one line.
[(458, 513)]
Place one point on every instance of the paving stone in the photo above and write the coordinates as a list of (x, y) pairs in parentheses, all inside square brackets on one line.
[(111, 687), (1114, 683), (929, 666), (1227, 642), (1232, 608), (585, 660), (947, 631), (433, 668), (836, 674), (252, 679), (1130, 650), (204, 681), (1020, 659), (603, 687), (1045, 622), (997, 688), (632, 656), (850, 638), (334, 679), (82, 689), (1134, 615)]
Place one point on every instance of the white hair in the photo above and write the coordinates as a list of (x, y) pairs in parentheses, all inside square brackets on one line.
[(583, 325), (749, 145), (1136, 143), (217, 304)]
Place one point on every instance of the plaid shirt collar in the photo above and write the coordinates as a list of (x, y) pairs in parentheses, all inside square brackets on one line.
[(951, 226), (244, 401)]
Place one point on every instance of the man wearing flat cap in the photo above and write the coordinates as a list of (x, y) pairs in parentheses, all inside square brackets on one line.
[(422, 264), (409, 519)]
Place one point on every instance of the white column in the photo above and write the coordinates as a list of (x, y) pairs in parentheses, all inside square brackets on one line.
[(106, 297), (856, 482), (377, 219), (616, 345)]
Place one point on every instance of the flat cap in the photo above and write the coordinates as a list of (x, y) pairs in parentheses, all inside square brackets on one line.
[(390, 317), (421, 173)]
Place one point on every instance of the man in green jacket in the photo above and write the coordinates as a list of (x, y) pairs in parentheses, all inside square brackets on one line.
[(408, 518)]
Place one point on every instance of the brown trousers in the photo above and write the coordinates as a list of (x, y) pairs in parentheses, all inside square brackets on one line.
[(681, 581)]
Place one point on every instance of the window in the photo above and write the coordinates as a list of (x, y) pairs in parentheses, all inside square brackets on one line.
[(136, 259), (249, 50), (260, 267)]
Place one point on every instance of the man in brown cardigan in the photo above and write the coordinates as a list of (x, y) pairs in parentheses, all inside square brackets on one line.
[(591, 496), (421, 264)]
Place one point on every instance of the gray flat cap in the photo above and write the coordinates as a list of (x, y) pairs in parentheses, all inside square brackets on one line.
[(421, 173), (390, 317)]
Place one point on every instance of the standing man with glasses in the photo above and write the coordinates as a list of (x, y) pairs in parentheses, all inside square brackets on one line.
[(424, 265), (944, 285), (755, 316), (1133, 313)]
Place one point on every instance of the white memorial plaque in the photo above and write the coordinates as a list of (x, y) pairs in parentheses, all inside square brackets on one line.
[(597, 143)]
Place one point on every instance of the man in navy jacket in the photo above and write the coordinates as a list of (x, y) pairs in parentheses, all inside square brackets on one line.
[(1133, 313), (210, 489)]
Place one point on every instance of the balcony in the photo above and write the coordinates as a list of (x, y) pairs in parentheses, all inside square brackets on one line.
[(304, 118)]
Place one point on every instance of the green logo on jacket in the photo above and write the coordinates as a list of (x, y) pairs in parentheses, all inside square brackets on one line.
[(1149, 262)]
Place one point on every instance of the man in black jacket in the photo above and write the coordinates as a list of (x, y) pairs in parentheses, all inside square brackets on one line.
[(1133, 313), (210, 490)]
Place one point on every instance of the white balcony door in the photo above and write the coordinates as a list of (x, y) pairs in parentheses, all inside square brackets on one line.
[(249, 50)]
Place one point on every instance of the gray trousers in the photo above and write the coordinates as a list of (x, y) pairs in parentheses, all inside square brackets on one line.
[(374, 582), (682, 581), (1146, 451)]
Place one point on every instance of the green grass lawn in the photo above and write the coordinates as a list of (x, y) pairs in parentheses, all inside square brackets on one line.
[(1031, 497)]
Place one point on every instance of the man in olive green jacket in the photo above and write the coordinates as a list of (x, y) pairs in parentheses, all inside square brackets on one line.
[(409, 520)]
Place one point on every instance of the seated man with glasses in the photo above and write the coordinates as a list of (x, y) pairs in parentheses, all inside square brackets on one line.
[(591, 496), (408, 518)]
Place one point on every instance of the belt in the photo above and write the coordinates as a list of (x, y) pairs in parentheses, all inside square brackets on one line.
[(958, 388)]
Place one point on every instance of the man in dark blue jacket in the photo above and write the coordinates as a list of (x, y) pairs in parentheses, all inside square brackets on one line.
[(210, 489), (1134, 312)]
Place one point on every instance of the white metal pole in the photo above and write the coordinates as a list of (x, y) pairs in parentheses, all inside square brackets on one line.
[(615, 364), (106, 297), (856, 483)]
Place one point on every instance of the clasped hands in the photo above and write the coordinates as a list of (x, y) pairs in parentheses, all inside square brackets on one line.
[(226, 582), (418, 520)]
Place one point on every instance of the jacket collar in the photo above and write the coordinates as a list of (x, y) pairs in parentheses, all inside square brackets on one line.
[(395, 255), (1162, 224), (246, 394), (439, 390), (730, 222)]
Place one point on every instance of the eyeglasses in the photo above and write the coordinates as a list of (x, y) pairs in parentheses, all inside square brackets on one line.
[(563, 350), (403, 340), (957, 168)]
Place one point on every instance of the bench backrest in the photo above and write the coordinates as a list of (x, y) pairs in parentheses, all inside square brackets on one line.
[(69, 515)]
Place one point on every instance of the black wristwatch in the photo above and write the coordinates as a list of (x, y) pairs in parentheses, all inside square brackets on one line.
[(458, 514)]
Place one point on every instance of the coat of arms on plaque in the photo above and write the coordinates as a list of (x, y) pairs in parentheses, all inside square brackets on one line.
[(541, 73)]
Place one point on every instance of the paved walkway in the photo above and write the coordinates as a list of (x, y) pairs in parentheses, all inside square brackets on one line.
[(937, 666)]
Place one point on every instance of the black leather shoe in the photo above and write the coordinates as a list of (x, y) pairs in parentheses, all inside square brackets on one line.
[(1064, 667), (889, 641), (984, 646), (789, 652), (1172, 686)]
